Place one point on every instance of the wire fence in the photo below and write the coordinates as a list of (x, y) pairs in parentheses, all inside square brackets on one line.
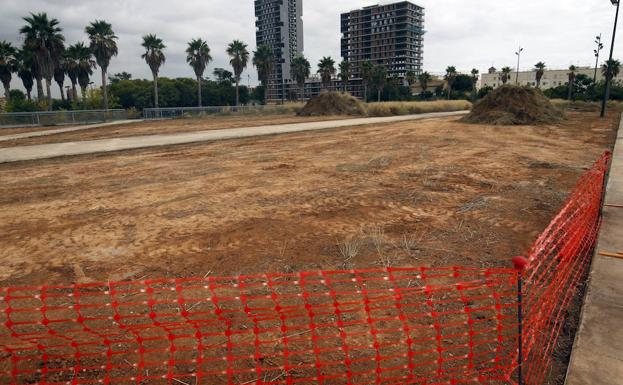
[(52, 118), (191, 112), (452, 325)]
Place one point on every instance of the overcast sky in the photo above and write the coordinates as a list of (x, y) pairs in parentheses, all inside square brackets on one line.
[(467, 34)]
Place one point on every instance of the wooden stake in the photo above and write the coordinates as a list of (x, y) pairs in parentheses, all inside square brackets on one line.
[(611, 255)]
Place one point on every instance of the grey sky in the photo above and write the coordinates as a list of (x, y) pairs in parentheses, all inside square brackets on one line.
[(464, 33)]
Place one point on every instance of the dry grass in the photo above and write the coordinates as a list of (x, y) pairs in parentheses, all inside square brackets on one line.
[(584, 106), (407, 108)]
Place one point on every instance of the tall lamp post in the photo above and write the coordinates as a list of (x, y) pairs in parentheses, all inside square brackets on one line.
[(609, 73), (518, 53), (597, 50)]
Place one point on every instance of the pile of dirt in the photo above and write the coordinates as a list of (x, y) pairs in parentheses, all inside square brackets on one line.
[(511, 105), (333, 103)]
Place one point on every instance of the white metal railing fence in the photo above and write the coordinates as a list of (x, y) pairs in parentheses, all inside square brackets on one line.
[(51, 118), (189, 112)]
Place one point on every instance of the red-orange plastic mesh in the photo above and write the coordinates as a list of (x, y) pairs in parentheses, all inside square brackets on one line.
[(558, 264), (380, 326)]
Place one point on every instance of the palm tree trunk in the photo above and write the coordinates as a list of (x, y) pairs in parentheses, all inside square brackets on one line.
[(199, 90), (156, 104), (302, 92), (40, 95), (570, 90), (60, 87), (237, 92), (7, 89), (266, 88), (84, 97), (449, 91), (378, 95), (74, 92), (28, 93), (105, 90), (48, 86), (365, 93)]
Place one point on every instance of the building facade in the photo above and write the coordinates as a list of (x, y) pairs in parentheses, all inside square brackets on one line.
[(550, 79), (391, 35), (279, 24)]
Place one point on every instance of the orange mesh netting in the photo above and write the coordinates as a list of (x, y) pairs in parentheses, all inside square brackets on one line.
[(380, 326)]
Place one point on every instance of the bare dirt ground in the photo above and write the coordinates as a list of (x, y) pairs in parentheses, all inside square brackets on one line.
[(158, 127), (435, 193)]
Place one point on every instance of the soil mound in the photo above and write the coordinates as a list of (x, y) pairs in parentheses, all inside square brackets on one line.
[(511, 105), (333, 103)]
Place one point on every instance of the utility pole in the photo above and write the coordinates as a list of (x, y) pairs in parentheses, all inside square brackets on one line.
[(518, 53), (600, 46), (609, 64)]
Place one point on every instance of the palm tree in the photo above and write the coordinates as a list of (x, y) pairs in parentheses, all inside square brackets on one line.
[(44, 38), (198, 57), (450, 77), (540, 71), (571, 74), (8, 65), (154, 57), (345, 73), (326, 69), (411, 78), (25, 62), (474, 73), (379, 78), (610, 69), (60, 71), (104, 47), (238, 58), (301, 70), (367, 70), (71, 61), (423, 79), (85, 64), (506, 74), (263, 60)]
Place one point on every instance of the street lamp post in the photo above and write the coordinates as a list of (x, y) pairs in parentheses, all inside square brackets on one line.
[(518, 53), (597, 50), (609, 73)]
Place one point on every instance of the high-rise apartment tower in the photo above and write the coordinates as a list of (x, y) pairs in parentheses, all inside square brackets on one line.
[(279, 24)]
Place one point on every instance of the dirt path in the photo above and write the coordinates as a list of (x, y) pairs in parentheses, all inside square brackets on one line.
[(54, 150), (435, 192)]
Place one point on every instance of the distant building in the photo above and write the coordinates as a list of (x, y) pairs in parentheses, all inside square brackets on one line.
[(391, 35), (551, 78), (279, 24)]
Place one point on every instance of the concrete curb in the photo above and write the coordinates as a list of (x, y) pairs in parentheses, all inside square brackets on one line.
[(597, 356), (33, 134), (53, 150)]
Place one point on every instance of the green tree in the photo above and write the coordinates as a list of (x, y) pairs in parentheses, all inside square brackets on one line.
[(198, 57), (25, 63), (379, 78), (238, 58), (154, 57), (301, 69), (263, 60), (119, 76), (424, 78), (326, 69), (411, 78), (610, 69), (83, 56), (571, 75), (345, 73), (104, 46), (367, 70), (450, 77), (223, 76), (43, 37), (506, 74), (475, 74), (8, 65), (540, 71), (60, 71)]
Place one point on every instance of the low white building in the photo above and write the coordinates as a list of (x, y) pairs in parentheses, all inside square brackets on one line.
[(551, 78)]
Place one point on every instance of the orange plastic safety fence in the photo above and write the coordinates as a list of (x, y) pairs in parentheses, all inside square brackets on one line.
[(379, 326)]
